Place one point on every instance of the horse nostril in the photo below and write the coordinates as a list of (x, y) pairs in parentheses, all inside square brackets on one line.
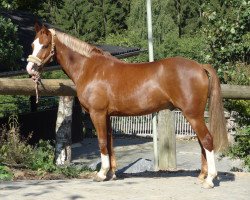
[(29, 67)]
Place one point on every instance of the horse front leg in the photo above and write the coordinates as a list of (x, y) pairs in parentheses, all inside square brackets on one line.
[(111, 174), (100, 123)]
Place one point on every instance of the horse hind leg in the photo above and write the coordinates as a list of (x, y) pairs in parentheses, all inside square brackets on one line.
[(204, 169), (206, 142)]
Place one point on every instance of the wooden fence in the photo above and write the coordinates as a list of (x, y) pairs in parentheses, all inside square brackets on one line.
[(142, 125), (59, 87)]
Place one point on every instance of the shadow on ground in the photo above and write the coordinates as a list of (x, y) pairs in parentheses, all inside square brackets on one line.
[(89, 147), (222, 176)]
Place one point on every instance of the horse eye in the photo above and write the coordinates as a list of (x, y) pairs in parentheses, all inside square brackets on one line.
[(45, 46)]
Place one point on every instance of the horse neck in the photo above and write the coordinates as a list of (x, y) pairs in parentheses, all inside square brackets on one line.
[(70, 61)]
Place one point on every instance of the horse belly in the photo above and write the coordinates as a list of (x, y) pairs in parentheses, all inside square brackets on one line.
[(145, 102)]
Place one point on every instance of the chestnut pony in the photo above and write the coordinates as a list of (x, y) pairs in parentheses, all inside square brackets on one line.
[(107, 86)]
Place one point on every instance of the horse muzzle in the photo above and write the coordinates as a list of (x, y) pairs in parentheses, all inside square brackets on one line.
[(33, 67)]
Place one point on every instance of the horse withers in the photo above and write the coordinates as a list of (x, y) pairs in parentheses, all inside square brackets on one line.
[(107, 86)]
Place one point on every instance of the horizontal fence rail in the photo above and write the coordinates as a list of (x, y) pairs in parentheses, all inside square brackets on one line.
[(134, 125), (48, 87), (65, 87)]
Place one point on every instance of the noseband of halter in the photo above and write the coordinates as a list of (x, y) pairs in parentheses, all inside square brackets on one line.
[(40, 62)]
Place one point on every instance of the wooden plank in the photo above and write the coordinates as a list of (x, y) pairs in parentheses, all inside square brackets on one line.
[(235, 91), (49, 87)]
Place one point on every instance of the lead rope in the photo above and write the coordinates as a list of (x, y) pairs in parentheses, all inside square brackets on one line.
[(37, 82), (36, 88)]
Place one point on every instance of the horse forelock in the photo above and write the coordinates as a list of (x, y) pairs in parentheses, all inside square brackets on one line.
[(77, 45)]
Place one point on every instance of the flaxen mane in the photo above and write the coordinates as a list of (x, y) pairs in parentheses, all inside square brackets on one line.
[(79, 46)]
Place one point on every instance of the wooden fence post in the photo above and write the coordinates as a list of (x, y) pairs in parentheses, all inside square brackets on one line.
[(167, 140), (63, 130)]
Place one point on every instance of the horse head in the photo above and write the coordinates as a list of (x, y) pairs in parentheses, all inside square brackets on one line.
[(43, 51)]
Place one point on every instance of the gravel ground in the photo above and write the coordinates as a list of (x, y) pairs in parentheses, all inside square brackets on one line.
[(178, 185), (131, 151)]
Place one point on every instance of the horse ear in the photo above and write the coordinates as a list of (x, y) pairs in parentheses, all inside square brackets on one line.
[(45, 29), (37, 27)]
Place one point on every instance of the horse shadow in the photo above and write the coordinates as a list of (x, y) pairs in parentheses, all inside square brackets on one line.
[(221, 177)]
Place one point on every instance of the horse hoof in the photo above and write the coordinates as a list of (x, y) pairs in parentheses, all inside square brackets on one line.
[(207, 185), (201, 179), (111, 176), (97, 178)]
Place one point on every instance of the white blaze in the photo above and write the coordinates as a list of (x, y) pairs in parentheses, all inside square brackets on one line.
[(37, 47)]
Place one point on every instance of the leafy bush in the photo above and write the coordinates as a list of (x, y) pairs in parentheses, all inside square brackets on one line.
[(10, 50), (192, 47), (72, 171), (241, 148), (16, 152), (10, 104), (127, 39), (13, 149), (242, 107), (5, 173), (43, 157), (227, 30), (21, 4), (13, 104)]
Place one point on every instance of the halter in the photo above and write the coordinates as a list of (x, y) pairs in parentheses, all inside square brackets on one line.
[(40, 62)]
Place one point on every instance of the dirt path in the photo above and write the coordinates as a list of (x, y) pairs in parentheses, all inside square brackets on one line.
[(172, 186), (140, 185)]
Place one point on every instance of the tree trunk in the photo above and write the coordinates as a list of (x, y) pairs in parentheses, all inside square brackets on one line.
[(63, 130), (167, 140), (88, 129)]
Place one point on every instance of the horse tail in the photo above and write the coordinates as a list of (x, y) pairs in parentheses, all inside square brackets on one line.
[(217, 121)]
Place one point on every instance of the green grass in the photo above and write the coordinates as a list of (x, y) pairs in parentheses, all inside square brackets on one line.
[(241, 147)]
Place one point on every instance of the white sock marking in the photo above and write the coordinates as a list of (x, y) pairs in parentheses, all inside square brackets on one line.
[(105, 166), (211, 167)]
